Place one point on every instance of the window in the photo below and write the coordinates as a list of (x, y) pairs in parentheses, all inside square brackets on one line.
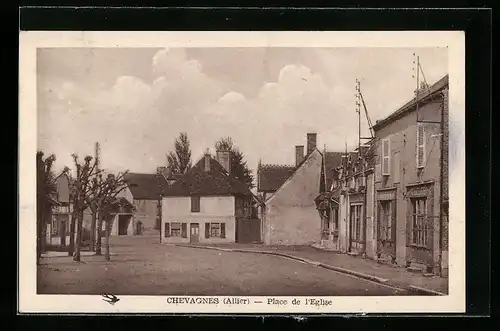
[(54, 228), (386, 157), (195, 204), (387, 213), (215, 230), (419, 233), (420, 145), (176, 230)]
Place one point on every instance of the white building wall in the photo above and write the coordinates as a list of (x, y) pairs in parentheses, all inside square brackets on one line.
[(213, 209)]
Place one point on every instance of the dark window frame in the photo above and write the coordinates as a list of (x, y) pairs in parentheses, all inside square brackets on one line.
[(195, 204)]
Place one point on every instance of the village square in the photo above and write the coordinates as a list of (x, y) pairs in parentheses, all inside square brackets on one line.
[(363, 216)]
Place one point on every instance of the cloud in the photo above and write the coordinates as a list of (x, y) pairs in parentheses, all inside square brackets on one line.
[(136, 119), (232, 97)]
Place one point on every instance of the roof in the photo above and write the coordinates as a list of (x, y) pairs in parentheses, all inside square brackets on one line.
[(145, 186), (332, 161), (197, 181), (430, 92), (271, 177)]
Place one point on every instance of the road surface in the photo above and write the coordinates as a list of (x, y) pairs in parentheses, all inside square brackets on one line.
[(142, 266)]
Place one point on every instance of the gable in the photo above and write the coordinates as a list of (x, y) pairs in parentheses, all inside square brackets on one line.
[(303, 186), (144, 186)]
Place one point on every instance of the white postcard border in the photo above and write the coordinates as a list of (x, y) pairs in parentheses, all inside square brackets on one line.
[(29, 41)]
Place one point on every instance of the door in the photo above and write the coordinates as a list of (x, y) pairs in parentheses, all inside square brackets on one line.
[(421, 234), (386, 239), (122, 225), (194, 233), (356, 233)]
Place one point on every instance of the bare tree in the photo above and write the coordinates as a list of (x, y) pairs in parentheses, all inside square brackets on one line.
[(102, 199), (81, 189)]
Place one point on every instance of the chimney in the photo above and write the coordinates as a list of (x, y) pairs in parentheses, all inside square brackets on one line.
[(166, 172), (299, 154), (207, 161), (311, 142), (224, 158)]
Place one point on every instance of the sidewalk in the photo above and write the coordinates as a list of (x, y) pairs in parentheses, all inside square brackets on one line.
[(357, 266)]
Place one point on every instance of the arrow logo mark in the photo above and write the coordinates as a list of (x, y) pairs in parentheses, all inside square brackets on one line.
[(110, 298)]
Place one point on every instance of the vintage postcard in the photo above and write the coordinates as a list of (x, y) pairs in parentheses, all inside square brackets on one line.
[(242, 172)]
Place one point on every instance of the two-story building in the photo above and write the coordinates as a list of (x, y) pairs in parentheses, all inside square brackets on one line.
[(411, 195), (355, 186), (209, 205), (393, 203)]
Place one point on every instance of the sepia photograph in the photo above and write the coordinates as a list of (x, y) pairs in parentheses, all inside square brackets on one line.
[(228, 171)]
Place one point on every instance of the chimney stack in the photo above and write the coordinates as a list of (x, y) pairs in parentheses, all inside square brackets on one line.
[(166, 172), (207, 161), (224, 158), (299, 154), (311, 142)]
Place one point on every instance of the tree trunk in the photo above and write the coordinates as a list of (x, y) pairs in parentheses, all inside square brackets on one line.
[(98, 245), (93, 231), (78, 240), (107, 255), (74, 218)]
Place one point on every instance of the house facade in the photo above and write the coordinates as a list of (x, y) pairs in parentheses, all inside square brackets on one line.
[(356, 213), (208, 205), (288, 210), (144, 192), (393, 204), (411, 184)]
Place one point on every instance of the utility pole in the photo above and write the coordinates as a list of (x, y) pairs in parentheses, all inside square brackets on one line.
[(358, 110)]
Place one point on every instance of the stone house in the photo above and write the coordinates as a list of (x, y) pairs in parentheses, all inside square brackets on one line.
[(144, 192), (289, 212), (394, 194), (411, 183), (209, 205)]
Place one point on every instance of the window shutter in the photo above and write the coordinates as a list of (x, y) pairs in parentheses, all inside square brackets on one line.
[(223, 230), (207, 230), (184, 230), (420, 145), (386, 148), (167, 229)]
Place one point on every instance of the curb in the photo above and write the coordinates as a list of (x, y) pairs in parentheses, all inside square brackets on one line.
[(307, 261), (422, 290), (380, 280)]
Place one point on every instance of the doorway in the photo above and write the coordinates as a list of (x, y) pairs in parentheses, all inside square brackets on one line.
[(357, 229), (194, 233), (386, 242), (123, 221)]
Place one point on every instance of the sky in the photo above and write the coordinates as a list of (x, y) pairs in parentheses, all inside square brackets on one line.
[(136, 101)]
